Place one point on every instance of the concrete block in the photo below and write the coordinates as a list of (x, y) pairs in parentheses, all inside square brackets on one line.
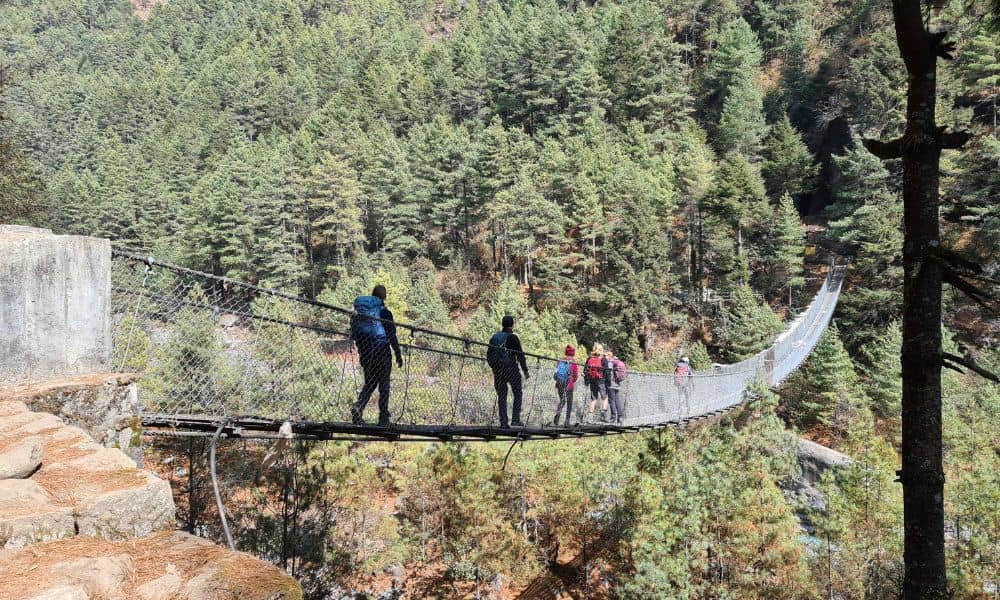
[(55, 293)]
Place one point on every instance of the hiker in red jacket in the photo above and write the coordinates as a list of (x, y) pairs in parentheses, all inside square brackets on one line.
[(566, 374), (593, 376)]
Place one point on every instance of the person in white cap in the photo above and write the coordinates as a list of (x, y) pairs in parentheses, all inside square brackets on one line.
[(683, 377)]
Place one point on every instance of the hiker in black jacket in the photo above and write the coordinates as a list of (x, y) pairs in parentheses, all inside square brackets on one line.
[(503, 356), (374, 338)]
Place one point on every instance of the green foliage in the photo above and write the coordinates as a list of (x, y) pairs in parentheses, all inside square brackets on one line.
[(826, 389), (742, 126), (789, 246), (882, 354), (788, 165), (749, 325), (693, 531), (577, 164), (867, 216)]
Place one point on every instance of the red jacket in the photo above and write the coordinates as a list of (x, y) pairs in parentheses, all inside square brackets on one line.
[(574, 373)]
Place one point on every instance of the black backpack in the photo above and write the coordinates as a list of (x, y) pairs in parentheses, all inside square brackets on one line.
[(498, 356)]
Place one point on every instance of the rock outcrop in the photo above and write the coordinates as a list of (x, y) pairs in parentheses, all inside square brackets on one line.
[(105, 405), (60, 482), (801, 490), (166, 566), (80, 521)]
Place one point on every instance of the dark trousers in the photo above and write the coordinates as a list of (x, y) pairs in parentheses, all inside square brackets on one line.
[(597, 389), (565, 398), (377, 365), (503, 377), (615, 401)]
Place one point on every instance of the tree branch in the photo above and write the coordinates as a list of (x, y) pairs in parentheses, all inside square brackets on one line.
[(977, 295), (948, 365), (940, 47), (885, 150), (953, 140), (956, 260), (968, 364)]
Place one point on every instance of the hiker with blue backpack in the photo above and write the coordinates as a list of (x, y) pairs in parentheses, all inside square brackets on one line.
[(567, 372), (374, 332), (503, 356)]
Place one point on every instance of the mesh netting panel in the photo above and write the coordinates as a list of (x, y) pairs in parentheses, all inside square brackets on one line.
[(208, 346)]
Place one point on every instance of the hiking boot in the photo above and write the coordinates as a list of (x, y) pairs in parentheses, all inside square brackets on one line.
[(516, 423), (604, 416), (555, 420)]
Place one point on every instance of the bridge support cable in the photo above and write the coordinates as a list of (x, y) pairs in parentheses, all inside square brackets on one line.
[(207, 347), (215, 487)]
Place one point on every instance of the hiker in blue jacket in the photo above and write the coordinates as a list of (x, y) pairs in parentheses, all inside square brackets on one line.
[(503, 356), (374, 331)]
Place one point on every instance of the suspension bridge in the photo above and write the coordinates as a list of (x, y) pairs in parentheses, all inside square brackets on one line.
[(217, 356)]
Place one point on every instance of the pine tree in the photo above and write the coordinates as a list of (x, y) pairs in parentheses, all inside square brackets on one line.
[(983, 71), (882, 355), (867, 216), (19, 186), (732, 214), (827, 390), (329, 197), (788, 165), (736, 51), (789, 247), (695, 180), (742, 127), (748, 326), (445, 183), (645, 75)]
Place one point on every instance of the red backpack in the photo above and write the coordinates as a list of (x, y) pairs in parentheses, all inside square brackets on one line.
[(595, 371)]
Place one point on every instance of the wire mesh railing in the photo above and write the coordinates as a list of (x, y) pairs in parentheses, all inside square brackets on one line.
[(212, 347)]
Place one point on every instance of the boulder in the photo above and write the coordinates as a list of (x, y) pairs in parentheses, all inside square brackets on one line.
[(20, 459), (166, 587), (27, 515), (815, 459), (29, 423), (63, 592), (101, 576), (133, 511)]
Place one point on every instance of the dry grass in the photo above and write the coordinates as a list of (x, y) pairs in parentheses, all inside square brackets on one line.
[(240, 574), (69, 486), (62, 385)]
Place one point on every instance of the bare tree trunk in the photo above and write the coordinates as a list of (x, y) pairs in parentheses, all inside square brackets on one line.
[(920, 148)]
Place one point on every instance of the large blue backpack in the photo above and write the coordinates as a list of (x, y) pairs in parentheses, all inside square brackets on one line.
[(562, 373), (366, 322), (498, 356)]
